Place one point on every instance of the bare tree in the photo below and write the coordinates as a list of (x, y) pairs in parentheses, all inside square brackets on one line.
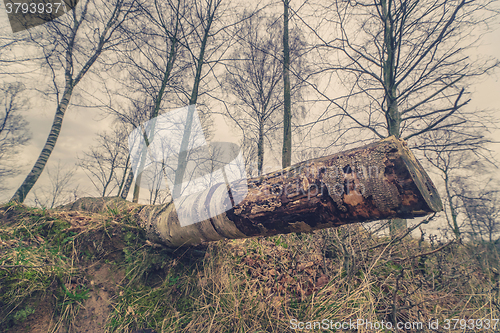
[(156, 46), (403, 65), (107, 163), (13, 127), (136, 114), (175, 47), (449, 163), (158, 192), (74, 43), (255, 77), (464, 166), (482, 208), (200, 29), (59, 192)]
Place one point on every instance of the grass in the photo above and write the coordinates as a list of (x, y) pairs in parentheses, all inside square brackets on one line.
[(251, 285)]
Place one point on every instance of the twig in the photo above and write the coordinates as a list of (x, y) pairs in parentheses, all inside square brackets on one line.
[(424, 254)]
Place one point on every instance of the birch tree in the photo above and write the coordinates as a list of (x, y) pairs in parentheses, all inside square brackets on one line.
[(465, 167), (72, 45), (186, 32), (202, 27), (156, 46), (60, 191)]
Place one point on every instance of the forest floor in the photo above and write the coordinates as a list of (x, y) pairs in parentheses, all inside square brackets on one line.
[(72, 271)]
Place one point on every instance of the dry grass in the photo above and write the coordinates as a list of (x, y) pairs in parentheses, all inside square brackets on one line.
[(252, 285)]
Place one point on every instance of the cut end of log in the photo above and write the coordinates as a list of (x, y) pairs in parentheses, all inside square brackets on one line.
[(420, 177), (382, 180)]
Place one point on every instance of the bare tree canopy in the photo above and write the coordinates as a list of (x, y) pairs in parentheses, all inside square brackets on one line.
[(254, 83), (71, 46), (404, 65), (470, 188), (106, 163), (13, 127), (61, 188), (255, 79)]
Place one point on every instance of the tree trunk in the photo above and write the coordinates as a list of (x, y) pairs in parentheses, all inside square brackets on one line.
[(148, 137), (393, 117), (40, 163), (128, 183), (122, 183), (382, 180), (182, 159), (286, 158), (260, 148)]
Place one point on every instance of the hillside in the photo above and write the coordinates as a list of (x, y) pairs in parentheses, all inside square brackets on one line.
[(74, 271)]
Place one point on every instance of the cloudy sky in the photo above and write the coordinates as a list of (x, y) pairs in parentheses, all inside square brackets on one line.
[(81, 124)]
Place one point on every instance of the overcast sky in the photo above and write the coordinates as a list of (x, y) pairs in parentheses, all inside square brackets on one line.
[(81, 124)]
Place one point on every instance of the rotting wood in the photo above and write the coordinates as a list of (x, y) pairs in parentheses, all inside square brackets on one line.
[(378, 181)]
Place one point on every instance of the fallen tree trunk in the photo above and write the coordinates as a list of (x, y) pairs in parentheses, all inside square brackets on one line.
[(381, 180)]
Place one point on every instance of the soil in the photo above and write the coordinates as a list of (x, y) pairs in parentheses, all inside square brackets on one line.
[(105, 282), (41, 320)]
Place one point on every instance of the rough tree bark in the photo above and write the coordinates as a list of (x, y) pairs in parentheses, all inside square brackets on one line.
[(378, 181)]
